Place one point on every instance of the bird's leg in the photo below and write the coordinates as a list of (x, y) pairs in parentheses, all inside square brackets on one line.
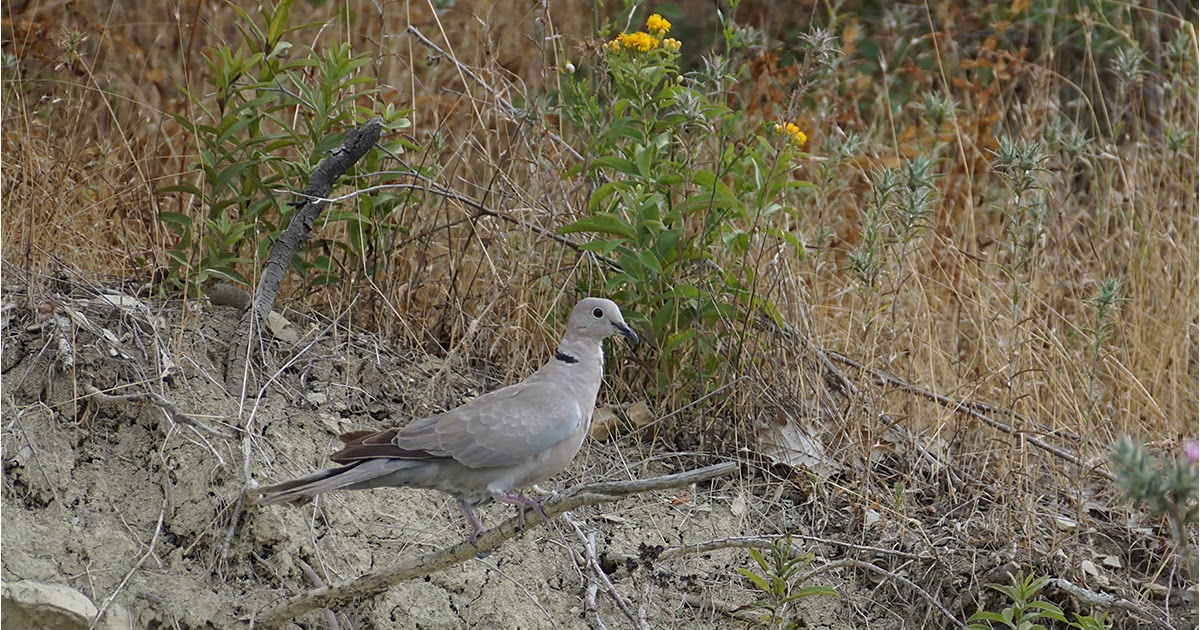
[(469, 512), (523, 503)]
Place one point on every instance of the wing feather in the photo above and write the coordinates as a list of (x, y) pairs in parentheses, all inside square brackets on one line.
[(501, 428)]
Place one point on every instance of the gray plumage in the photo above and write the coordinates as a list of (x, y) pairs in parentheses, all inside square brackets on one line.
[(502, 441)]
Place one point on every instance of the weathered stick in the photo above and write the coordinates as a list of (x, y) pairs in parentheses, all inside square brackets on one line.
[(354, 147), (372, 584)]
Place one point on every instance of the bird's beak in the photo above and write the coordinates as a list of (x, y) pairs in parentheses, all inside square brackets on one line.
[(628, 333)]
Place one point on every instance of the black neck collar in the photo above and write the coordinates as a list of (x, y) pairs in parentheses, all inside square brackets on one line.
[(564, 357)]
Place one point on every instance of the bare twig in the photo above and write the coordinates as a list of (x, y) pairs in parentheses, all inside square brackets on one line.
[(169, 408), (248, 436), (849, 562), (763, 542), (1108, 601), (578, 496), (480, 210), (704, 602), (598, 574), (515, 113), (311, 574)]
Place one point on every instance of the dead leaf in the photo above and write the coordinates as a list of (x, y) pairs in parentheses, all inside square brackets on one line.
[(792, 445), (281, 328), (738, 507)]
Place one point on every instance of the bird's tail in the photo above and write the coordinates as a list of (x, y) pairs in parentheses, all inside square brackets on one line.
[(356, 476)]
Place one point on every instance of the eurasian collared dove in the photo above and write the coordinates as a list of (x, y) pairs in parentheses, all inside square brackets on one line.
[(504, 440)]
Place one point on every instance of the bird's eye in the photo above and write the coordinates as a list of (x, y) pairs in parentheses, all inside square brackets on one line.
[(598, 313)]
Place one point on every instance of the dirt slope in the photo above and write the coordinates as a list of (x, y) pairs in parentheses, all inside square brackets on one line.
[(88, 478)]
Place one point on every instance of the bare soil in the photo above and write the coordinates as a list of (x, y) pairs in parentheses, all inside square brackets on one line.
[(114, 498)]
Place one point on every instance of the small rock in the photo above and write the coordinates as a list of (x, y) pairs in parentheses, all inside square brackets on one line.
[(1065, 524), (1111, 562), (640, 415), (281, 328), (738, 507), (228, 295), (117, 617), (317, 399), (45, 606), (604, 424), (1089, 568), (870, 517)]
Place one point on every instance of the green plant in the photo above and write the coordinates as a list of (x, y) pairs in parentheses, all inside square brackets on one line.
[(776, 582), (1020, 163), (899, 211), (269, 114), (1027, 613), (1105, 305), (1167, 488), (686, 193)]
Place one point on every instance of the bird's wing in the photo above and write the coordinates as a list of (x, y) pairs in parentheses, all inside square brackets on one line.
[(501, 428)]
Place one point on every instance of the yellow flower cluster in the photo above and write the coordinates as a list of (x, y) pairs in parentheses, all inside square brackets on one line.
[(656, 24), (638, 41), (792, 130), (645, 42)]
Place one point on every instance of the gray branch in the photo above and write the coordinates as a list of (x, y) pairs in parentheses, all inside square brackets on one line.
[(357, 143)]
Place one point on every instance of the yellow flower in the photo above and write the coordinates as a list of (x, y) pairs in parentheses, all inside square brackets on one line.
[(792, 130), (671, 44), (613, 46), (656, 24), (638, 41)]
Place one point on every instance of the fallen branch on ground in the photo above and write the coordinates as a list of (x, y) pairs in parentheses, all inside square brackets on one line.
[(169, 408), (574, 497)]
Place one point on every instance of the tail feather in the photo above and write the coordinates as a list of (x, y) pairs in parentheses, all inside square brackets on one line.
[(357, 476)]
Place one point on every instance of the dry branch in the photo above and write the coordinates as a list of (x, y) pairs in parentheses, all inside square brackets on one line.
[(1105, 600), (574, 497), (320, 183), (972, 409)]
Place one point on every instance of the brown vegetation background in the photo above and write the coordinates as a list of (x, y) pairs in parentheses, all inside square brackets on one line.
[(91, 90)]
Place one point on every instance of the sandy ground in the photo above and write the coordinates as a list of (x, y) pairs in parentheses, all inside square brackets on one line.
[(112, 498)]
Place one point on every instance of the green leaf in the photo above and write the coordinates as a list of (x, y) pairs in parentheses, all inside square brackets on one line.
[(175, 218), (681, 291), (602, 223), (180, 188), (644, 156), (814, 590), (618, 164), (674, 342), (756, 579), (606, 190), (716, 190), (278, 22)]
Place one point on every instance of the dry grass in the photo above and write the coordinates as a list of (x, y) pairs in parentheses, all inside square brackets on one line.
[(88, 135)]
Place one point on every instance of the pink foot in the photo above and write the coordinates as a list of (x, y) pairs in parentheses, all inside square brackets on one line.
[(523, 503)]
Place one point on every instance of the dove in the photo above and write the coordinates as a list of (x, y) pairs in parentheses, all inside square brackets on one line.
[(489, 447)]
